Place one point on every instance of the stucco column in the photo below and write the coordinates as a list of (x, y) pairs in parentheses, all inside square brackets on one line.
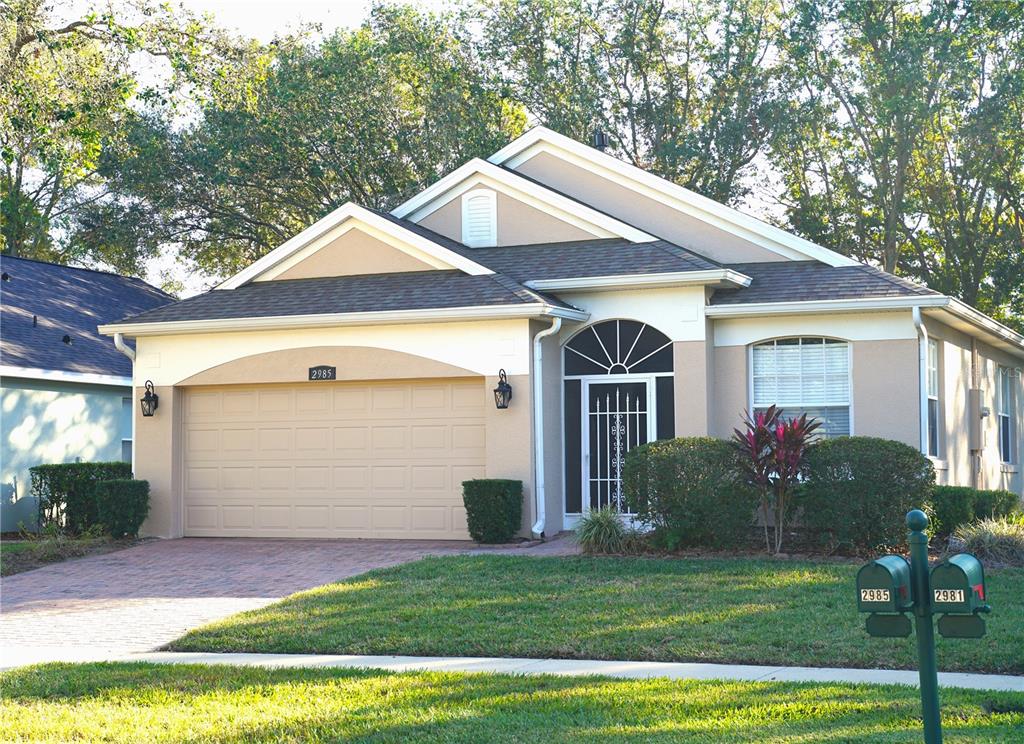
[(692, 384), (510, 440), (157, 448)]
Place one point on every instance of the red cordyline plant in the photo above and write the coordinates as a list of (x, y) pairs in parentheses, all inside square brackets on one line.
[(771, 457)]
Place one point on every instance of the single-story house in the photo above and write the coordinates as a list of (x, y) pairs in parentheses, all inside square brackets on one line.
[(65, 391), (342, 385)]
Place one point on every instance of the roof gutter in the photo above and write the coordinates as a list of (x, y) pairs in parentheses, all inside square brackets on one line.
[(742, 310), (538, 425), (726, 277), (327, 320)]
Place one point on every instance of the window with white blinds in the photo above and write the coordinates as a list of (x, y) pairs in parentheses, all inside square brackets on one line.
[(1005, 404), (479, 218), (804, 375)]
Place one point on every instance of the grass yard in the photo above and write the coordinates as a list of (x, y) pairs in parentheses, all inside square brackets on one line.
[(24, 555), (727, 611), (155, 703)]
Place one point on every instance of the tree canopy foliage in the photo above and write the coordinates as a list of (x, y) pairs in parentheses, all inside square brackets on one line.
[(892, 132)]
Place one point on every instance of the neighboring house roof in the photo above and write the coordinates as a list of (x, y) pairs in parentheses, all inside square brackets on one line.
[(808, 281), (341, 295), (66, 301)]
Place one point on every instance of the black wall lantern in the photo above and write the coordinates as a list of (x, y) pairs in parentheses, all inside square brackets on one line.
[(150, 400), (502, 393)]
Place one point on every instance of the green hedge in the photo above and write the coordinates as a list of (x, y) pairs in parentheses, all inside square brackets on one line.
[(953, 506), (494, 508), (690, 492), (858, 490), (122, 506), (66, 492)]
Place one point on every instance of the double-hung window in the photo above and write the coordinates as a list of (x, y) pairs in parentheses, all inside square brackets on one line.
[(804, 375), (933, 397), (1005, 401)]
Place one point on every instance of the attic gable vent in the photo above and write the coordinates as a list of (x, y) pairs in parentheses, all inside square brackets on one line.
[(479, 218)]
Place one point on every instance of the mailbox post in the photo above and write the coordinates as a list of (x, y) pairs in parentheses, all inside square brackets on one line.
[(888, 587), (927, 666)]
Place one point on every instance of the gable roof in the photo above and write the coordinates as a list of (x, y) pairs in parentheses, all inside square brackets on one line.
[(66, 300), (599, 223), (728, 219), (362, 298), (810, 281), (430, 251)]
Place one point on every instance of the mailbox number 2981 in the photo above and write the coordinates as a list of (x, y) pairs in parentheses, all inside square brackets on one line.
[(874, 595), (946, 596)]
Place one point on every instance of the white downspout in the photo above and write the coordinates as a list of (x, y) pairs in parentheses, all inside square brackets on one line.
[(538, 419), (129, 352), (120, 345), (922, 363)]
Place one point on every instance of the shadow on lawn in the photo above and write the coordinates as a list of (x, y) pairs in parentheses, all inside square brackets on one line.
[(258, 705)]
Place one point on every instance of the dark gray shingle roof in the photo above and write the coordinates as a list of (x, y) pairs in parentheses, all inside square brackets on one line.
[(67, 301), (801, 281), (412, 290)]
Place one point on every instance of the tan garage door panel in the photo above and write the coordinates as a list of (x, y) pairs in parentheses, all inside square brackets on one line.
[(332, 459)]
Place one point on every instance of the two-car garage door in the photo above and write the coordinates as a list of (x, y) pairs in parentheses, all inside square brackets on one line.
[(331, 459)]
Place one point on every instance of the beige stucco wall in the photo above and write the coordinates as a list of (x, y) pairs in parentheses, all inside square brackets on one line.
[(641, 211), (692, 386), (955, 463), (354, 252), (518, 223)]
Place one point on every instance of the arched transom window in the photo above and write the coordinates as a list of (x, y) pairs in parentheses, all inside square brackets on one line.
[(618, 347), (804, 375)]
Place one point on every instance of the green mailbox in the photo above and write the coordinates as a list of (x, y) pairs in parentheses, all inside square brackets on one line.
[(958, 586), (884, 585)]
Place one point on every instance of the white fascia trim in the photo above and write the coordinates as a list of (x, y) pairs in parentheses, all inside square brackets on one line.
[(57, 375), (385, 317), (640, 281), (336, 218), (823, 306), (437, 195), (689, 202), (980, 320)]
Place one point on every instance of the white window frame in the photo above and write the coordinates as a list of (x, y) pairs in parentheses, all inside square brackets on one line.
[(1004, 410), (933, 375), (491, 198), (751, 406)]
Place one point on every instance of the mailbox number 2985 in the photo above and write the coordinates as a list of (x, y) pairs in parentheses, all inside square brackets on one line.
[(874, 595), (945, 596)]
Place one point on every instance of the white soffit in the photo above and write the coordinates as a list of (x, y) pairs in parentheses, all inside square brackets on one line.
[(732, 221), (479, 172), (342, 219)]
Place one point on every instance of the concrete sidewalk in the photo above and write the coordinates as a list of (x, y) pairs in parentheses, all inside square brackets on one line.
[(574, 668)]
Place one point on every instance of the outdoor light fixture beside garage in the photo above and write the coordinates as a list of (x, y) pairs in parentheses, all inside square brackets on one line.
[(502, 393), (150, 400)]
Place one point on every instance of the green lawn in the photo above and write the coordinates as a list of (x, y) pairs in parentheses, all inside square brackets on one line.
[(730, 611), (24, 555), (154, 703)]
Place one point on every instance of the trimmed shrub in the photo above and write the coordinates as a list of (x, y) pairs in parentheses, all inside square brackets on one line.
[(954, 506), (996, 542), (122, 506), (690, 492), (66, 492), (602, 531), (989, 504), (859, 490), (494, 508)]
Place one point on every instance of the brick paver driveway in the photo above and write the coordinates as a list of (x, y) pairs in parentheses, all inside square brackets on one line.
[(143, 597)]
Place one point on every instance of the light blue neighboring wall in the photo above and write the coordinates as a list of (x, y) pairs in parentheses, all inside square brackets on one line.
[(44, 421)]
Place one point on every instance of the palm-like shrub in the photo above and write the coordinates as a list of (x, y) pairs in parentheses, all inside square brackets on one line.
[(601, 531), (772, 453)]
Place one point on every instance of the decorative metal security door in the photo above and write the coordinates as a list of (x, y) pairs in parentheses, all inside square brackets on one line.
[(618, 419)]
